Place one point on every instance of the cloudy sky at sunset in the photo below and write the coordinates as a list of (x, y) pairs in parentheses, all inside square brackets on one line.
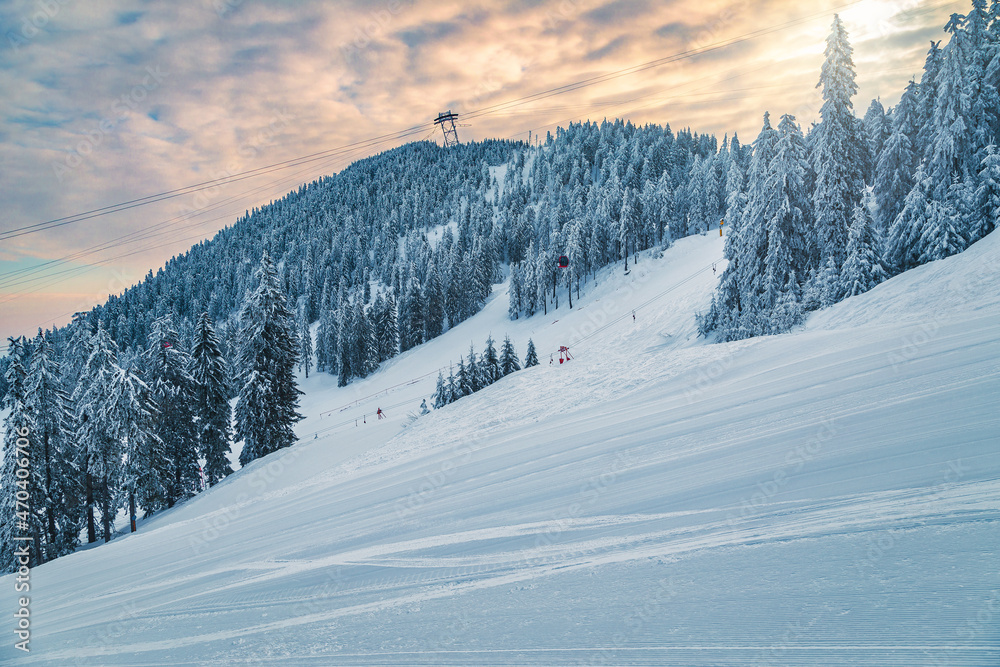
[(107, 101)]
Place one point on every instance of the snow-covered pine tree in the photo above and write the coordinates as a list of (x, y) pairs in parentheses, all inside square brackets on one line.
[(269, 398), (940, 234), (735, 310), (129, 410), (346, 344), (453, 388), (863, 268), (99, 453), (55, 486), (530, 356), (434, 311), (211, 378), (388, 331), (474, 370), (411, 316), (305, 340), (172, 389), (926, 96), (326, 341), (577, 256), (441, 396), (627, 222), (839, 152), (16, 521), (490, 363), (463, 380), (368, 343), (896, 163), (541, 273), (514, 293), (901, 250), (790, 220), (508, 358), (877, 131), (987, 195)]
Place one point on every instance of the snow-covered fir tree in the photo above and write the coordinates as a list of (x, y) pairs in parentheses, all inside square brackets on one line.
[(305, 341), (509, 362), (211, 381), (98, 454), (490, 369), (268, 402), (173, 393), (839, 148), (896, 162), (129, 409), (530, 356), (863, 268), (789, 251), (55, 485), (17, 520)]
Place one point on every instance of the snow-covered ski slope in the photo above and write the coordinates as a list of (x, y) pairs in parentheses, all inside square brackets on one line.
[(827, 497)]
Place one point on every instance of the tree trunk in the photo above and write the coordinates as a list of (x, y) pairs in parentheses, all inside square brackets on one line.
[(106, 509), (131, 510), (91, 524), (50, 510)]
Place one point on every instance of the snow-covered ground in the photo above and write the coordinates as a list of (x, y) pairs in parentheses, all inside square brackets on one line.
[(827, 497)]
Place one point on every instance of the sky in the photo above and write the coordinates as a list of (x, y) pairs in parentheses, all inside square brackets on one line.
[(109, 101)]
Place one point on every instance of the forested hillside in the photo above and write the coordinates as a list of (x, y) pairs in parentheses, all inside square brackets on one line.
[(400, 247)]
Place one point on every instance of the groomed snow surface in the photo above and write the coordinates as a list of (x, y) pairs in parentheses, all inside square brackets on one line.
[(826, 497)]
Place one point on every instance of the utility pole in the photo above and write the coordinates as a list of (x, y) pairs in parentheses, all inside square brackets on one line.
[(447, 123)]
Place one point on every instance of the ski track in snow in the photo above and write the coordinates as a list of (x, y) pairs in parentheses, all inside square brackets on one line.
[(826, 497)]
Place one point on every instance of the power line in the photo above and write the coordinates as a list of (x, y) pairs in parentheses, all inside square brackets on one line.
[(559, 90), (18, 277), (190, 189)]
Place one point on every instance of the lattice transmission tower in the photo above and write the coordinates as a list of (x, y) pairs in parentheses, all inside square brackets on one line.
[(447, 123)]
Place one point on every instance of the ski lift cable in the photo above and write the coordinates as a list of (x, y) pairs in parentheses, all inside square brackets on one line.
[(14, 278), (123, 239), (79, 271), (204, 185), (559, 90), (648, 302)]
